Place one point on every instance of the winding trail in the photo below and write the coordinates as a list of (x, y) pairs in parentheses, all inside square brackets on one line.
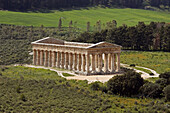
[(144, 74), (93, 78)]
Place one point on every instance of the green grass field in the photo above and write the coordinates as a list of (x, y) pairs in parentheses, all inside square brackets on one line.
[(122, 16), (158, 61)]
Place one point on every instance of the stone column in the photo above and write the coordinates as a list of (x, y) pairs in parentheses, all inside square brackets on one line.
[(34, 57), (53, 59), (41, 57), (93, 64), (38, 57), (87, 63), (100, 63), (115, 61), (79, 62), (84, 63), (71, 61), (50, 59), (58, 59), (67, 61), (112, 63), (118, 62), (62, 60), (106, 63), (110, 60), (46, 58), (75, 61), (96, 60)]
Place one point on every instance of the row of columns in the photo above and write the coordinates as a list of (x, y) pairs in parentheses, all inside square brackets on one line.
[(81, 63)]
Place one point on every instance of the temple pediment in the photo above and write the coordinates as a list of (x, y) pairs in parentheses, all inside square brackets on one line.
[(50, 40)]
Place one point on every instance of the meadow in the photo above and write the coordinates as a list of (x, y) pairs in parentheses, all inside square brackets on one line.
[(158, 61), (26, 89), (80, 17)]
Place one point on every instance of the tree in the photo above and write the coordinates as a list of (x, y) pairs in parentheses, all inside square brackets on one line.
[(88, 26), (125, 85), (60, 24)]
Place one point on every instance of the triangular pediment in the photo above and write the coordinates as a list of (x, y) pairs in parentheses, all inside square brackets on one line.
[(49, 40), (103, 45)]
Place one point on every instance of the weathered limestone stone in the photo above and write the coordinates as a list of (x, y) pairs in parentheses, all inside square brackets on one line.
[(58, 59), (34, 57), (41, 57), (67, 61), (46, 58), (75, 61), (83, 58), (38, 57), (53, 59), (50, 59), (84, 63), (62, 60), (106, 63)]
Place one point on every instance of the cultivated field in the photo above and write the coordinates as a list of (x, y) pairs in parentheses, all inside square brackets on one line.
[(122, 16), (158, 61)]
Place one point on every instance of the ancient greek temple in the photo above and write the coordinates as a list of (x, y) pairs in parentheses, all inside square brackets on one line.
[(82, 58)]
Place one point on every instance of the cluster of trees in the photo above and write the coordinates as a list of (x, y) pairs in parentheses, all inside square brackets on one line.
[(23, 5), (155, 36), (132, 85)]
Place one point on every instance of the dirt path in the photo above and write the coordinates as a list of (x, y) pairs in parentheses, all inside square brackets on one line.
[(144, 74), (93, 78)]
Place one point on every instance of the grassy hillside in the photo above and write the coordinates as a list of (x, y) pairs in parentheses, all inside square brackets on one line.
[(122, 16), (158, 61), (38, 90)]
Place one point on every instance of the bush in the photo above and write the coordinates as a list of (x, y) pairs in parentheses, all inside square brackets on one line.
[(152, 90), (132, 65), (125, 85), (151, 74), (162, 81), (0, 74), (166, 76), (95, 86), (167, 92), (23, 98)]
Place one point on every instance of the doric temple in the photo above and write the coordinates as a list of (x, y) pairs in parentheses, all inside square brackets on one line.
[(82, 58)]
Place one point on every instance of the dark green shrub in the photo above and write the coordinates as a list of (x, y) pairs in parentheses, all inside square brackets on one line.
[(125, 85), (23, 98), (167, 92), (132, 65), (0, 74), (165, 75), (152, 90), (18, 89), (95, 86), (162, 81), (151, 74)]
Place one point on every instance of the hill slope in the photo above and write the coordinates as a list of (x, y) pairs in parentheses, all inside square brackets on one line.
[(122, 16)]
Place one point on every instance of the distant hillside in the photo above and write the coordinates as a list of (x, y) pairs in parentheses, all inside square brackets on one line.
[(23, 5), (80, 18)]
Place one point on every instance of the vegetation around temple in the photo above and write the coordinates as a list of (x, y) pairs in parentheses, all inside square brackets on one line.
[(158, 61), (37, 90)]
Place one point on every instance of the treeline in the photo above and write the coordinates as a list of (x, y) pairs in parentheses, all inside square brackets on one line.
[(23, 5), (155, 36)]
